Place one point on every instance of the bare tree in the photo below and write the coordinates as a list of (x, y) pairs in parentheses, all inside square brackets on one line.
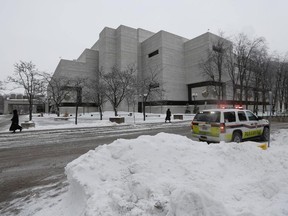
[(131, 98), (96, 94), (256, 77), (280, 81), (232, 71), (28, 77), (149, 87), (75, 90), (215, 66), (56, 92), (243, 49), (117, 84)]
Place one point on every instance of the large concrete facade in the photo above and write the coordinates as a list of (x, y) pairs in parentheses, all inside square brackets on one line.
[(176, 60)]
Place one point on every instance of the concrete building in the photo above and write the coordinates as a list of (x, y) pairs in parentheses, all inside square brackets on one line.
[(176, 60), (17, 101)]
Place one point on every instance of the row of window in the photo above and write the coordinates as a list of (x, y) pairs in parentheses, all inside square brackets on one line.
[(231, 117), (156, 52)]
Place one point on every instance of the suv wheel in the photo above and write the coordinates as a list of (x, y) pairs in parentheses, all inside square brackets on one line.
[(236, 137), (265, 134)]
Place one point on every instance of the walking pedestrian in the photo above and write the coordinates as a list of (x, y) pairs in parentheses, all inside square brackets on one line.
[(15, 122), (168, 116)]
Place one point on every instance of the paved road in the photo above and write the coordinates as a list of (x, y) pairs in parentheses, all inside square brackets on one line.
[(38, 158)]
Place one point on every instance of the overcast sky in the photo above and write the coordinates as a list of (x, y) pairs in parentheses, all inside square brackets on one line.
[(43, 31)]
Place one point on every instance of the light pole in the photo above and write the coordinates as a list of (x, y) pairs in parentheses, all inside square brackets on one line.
[(270, 102), (143, 105), (195, 95), (151, 86)]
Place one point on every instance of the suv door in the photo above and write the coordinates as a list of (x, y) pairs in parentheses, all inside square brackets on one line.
[(254, 129)]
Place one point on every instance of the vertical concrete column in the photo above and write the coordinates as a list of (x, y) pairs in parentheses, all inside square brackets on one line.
[(6, 106)]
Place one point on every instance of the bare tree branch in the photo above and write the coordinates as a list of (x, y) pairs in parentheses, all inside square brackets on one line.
[(28, 77), (117, 84)]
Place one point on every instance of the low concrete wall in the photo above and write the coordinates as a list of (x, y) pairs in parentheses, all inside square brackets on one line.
[(61, 118), (118, 120), (27, 125), (178, 117)]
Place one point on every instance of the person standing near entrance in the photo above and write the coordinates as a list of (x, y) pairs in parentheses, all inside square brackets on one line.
[(15, 122), (168, 116)]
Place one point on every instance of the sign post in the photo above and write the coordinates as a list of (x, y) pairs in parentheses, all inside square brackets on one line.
[(270, 102)]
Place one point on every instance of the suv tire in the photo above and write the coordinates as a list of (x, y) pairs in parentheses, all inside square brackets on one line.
[(237, 137), (265, 134)]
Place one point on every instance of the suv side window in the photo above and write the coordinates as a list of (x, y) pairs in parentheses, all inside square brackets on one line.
[(229, 117), (208, 117), (251, 116), (242, 116)]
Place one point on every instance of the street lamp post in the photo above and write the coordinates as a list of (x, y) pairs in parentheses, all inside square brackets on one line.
[(270, 102), (195, 95), (152, 85), (143, 106)]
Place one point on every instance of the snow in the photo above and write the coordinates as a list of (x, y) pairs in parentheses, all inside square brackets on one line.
[(172, 175), (51, 121)]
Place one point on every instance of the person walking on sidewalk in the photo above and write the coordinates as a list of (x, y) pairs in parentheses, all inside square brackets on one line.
[(168, 116), (15, 122)]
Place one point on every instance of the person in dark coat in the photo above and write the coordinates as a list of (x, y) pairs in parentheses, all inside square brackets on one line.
[(168, 116), (15, 122)]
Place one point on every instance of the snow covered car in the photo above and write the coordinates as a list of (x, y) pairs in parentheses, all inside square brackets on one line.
[(229, 125)]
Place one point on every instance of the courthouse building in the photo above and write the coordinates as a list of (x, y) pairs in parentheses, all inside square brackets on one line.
[(175, 58)]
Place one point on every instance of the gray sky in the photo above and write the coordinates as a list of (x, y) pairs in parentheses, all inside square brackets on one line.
[(45, 31)]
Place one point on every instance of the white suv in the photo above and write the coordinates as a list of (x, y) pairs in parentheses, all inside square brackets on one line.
[(228, 125)]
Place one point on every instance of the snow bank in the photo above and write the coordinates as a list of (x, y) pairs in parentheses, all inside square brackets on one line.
[(171, 175)]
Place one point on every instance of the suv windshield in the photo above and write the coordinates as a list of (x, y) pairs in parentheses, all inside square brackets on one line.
[(208, 117)]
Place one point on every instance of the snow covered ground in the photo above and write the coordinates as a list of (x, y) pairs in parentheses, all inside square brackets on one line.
[(49, 121), (171, 175)]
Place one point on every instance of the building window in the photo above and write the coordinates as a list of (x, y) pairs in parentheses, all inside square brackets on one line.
[(156, 52), (217, 49)]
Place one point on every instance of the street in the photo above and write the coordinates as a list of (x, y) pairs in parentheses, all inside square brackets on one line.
[(38, 158)]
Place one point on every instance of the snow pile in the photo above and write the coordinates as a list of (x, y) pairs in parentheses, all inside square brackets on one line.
[(171, 175)]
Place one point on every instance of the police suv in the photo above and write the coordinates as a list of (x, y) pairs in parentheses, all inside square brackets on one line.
[(229, 125)]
